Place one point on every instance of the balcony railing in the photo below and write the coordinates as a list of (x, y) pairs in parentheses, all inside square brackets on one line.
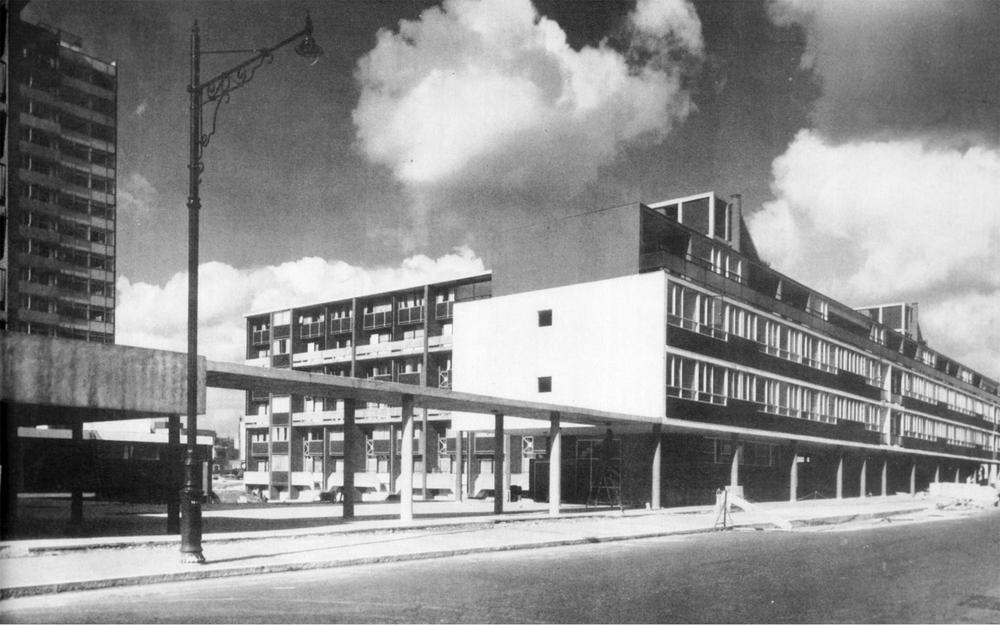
[(258, 449), (313, 448), (337, 354), (818, 416), (700, 328), (443, 310), (256, 477), (702, 396), (409, 346), (414, 314), (282, 332), (381, 377), (412, 377), (281, 360), (444, 378), (344, 325), (260, 361), (311, 330), (375, 320), (440, 341)]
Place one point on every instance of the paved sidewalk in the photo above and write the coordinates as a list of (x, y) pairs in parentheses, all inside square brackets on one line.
[(35, 567)]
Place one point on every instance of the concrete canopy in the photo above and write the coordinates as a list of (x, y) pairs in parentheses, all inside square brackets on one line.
[(60, 381), (286, 381)]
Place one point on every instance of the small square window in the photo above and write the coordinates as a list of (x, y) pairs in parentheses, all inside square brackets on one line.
[(544, 318), (545, 384)]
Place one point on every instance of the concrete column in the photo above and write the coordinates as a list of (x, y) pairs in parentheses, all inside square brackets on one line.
[(406, 461), (958, 474), (498, 490), (350, 440), (506, 467), (913, 477), (324, 467), (459, 493), (937, 473), (424, 446), (76, 494), (864, 477), (555, 464), (393, 459), (793, 476), (174, 474), (471, 472), (734, 469), (654, 494), (885, 477), (840, 477), (11, 469)]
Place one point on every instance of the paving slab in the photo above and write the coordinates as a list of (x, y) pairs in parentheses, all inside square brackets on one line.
[(35, 567)]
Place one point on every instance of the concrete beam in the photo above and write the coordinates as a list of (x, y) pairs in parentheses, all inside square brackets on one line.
[(79, 380)]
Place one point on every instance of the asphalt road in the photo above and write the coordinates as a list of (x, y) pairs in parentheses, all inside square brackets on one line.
[(942, 571)]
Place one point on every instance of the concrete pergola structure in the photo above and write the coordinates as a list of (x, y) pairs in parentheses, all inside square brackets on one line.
[(407, 397), (66, 383)]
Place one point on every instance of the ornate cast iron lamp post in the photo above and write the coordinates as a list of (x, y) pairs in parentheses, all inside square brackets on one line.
[(215, 91)]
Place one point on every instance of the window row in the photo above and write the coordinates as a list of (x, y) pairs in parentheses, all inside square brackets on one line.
[(71, 256), (709, 314), (718, 451), (915, 426), (85, 73), (67, 227), (69, 282), (701, 381), (71, 175), (68, 121), (44, 329), (930, 391), (74, 310), (67, 146), (51, 83), (69, 201)]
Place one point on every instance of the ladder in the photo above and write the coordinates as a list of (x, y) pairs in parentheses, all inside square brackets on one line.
[(607, 490)]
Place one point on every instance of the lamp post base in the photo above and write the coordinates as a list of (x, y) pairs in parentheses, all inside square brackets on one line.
[(191, 511)]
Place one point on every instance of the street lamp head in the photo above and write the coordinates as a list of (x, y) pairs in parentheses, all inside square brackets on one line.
[(308, 48)]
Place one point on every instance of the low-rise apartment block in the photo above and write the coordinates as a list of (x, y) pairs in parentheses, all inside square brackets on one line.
[(662, 310)]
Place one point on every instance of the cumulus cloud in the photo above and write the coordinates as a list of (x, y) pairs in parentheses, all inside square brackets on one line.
[(891, 68), (489, 94), (155, 316), (136, 197), (151, 315), (880, 221)]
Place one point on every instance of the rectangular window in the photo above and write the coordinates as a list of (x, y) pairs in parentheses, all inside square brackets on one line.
[(544, 318), (545, 384)]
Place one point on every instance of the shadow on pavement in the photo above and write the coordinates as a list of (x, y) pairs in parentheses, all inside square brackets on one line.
[(40, 518)]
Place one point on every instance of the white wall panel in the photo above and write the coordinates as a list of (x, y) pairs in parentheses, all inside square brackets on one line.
[(604, 350)]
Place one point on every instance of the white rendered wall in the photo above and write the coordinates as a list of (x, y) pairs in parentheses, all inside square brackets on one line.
[(605, 349)]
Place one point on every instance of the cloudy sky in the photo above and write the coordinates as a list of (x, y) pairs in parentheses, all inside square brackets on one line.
[(863, 135)]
